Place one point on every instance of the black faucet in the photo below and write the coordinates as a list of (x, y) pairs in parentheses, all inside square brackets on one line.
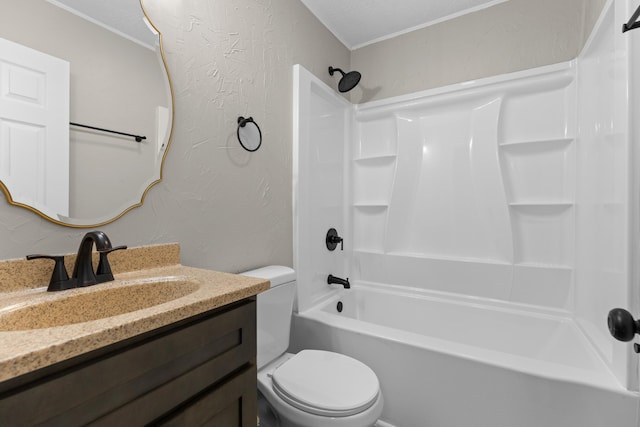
[(331, 279), (83, 273)]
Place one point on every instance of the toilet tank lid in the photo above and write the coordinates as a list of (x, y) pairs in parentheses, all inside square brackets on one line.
[(277, 274)]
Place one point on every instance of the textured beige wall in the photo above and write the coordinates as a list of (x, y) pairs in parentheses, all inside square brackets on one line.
[(511, 36), (231, 210)]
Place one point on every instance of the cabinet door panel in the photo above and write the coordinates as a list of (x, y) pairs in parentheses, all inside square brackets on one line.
[(232, 403)]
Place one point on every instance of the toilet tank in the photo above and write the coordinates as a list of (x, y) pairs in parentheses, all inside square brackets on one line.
[(274, 309)]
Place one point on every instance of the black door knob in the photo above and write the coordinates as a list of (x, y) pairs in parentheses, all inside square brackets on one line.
[(622, 325)]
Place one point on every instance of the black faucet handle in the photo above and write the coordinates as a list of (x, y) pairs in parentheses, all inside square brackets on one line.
[(103, 273), (333, 239), (59, 278)]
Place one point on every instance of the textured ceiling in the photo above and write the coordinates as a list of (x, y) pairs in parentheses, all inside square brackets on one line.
[(357, 23)]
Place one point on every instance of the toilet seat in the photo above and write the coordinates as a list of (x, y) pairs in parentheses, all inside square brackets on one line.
[(326, 383)]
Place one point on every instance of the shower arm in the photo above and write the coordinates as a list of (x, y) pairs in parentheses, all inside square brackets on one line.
[(633, 21)]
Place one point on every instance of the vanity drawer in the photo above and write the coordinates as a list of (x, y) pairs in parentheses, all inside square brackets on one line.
[(141, 380)]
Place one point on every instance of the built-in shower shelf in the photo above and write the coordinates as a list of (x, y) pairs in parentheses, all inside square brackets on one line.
[(441, 257), (535, 205), (377, 159), (371, 205), (480, 261), (524, 143), (547, 266)]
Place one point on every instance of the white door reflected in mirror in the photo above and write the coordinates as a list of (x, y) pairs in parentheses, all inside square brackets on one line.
[(34, 131)]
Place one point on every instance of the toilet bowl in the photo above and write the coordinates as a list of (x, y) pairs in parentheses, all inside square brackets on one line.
[(313, 388), (318, 388)]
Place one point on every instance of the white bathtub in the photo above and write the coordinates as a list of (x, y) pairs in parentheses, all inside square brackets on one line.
[(457, 362)]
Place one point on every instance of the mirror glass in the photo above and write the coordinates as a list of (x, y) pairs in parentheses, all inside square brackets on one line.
[(116, 80)]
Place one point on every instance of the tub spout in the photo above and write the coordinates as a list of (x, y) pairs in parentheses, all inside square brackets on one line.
[(331, 279)]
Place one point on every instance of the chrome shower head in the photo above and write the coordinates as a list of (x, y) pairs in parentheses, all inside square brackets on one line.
[(348, 81)]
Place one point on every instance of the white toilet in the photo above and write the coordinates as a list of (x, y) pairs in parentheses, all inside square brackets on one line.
[(313, 388)]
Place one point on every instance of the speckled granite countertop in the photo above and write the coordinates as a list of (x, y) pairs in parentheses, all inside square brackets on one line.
[(25, 350)]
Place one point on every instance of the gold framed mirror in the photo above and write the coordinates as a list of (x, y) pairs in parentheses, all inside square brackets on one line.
[(117, 80)]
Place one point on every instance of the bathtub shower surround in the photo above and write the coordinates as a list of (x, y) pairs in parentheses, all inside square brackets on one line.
[(474, 186), (485, 231), (472, 180)]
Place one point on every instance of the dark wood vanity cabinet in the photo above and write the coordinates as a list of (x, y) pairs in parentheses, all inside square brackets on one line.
[(198, 371)]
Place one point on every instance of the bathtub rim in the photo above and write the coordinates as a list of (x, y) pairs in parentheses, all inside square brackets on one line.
[(602, 378)]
